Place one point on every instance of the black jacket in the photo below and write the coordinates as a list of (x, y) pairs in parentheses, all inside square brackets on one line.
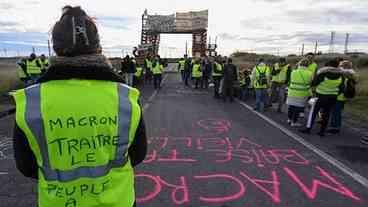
[(230, 74), (91, 68)]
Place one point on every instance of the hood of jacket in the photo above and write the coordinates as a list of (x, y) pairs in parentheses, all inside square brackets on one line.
[(330, 72), (87, 67)]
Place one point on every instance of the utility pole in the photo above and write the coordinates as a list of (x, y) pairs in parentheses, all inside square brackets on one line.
[(33, 50), (303, 49), (186, 47), (346, 43), (316, 48), (49, 47), (332, 42)]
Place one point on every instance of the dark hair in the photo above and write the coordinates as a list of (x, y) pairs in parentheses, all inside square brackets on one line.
[(230, 60), (333, 63), (75, 34)]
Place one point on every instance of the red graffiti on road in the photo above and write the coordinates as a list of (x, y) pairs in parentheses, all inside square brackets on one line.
[(180, 192), (220, 150), (269, 171)]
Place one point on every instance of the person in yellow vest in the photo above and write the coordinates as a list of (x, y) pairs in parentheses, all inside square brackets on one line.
[(299, 90), (313, 66), (217, 74), (197, 73), (137, 80), (346, 95), (157, 70), (148, 70), (44, 63), (280, 79), (33, 68), (260, 77), (328, 84), (79, 131), (22, 71), (181, 67)]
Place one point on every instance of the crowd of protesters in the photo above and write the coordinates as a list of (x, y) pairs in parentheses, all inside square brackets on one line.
[(303, 90)]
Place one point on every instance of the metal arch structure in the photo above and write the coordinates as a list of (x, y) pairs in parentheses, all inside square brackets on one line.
[(195, 23)]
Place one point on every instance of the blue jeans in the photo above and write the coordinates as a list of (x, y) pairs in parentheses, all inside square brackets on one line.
[(261, 98), (336, 116)]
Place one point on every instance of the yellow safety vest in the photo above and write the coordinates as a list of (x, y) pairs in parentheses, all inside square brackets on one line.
[(138, 73), (300, 83), (282, 76), (181, 65), (32, 67), (157, 69), (81, 142), (220, 68), (261, 77), (196, 71), (329, 87)]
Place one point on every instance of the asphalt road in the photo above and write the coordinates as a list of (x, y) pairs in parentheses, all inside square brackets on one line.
[(203, 152)]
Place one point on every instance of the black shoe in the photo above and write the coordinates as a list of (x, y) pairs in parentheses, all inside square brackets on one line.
[(305, 131)]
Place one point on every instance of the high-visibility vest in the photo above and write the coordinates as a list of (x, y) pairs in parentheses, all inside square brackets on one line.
[(20, 72), (220, 68), (32, 67), (313, 68), (81, 141), (44, 64), (157, 69), (329, 87), (139, 71), (300, 83), (149, 64), (181, 65), (196, 71), (275, 77), (261, 70), (341, 96), (282, 76)]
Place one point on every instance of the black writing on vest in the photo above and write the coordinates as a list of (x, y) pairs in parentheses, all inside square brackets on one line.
[(76, 145), (71, 193), (73, 122)]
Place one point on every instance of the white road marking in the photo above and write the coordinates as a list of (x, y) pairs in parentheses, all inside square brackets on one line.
[(150, 99), (3, 173), (348, 171)]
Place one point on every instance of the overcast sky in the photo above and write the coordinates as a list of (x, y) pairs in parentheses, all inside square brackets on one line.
[(267, 26)]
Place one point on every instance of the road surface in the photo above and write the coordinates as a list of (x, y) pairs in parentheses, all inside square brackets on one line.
[(203, 152)]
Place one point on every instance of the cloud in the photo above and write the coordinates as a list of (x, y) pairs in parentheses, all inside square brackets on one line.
[(328, 16), (8, 23), (6, 6), (227, 36)]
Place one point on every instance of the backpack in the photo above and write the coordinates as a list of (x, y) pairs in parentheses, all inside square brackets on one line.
[(350, 90), (262, 78)]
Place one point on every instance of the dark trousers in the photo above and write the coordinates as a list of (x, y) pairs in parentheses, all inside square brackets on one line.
[(217, 82), (204, 83), (157, 78), (293, 113), (228, 92), (148, 77), (336, 116), (198, 82), (182, 75), (324, 104), (186, 78)]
